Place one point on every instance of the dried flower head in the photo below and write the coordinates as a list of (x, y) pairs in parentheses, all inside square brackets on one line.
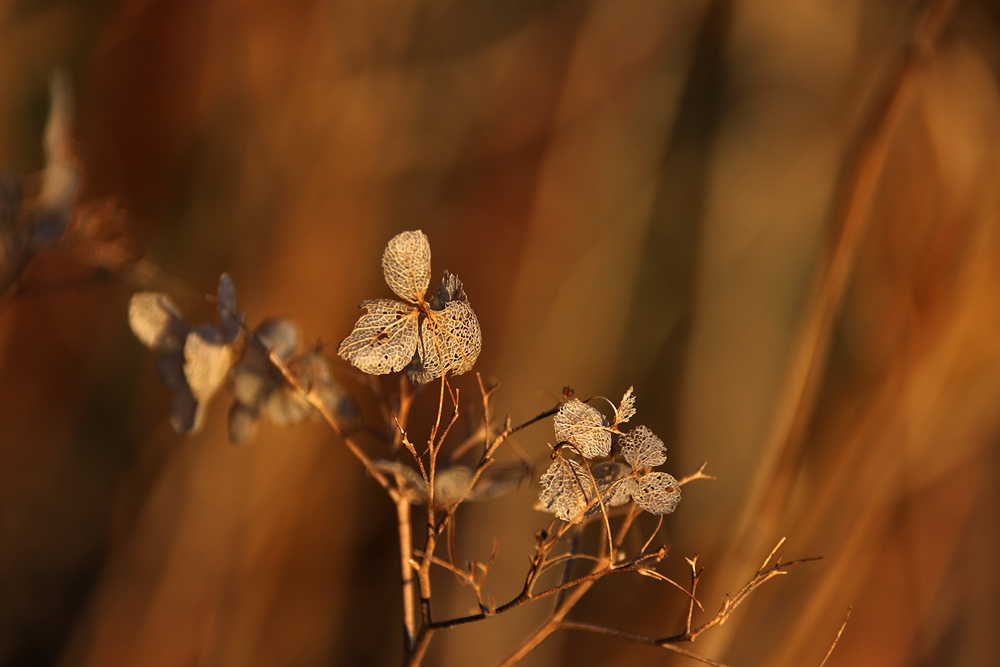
[(454, 483), (259, 389), (574, 489), (195, 360), (427, 338)]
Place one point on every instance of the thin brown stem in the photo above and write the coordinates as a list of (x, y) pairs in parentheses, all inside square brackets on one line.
[(837, 638), (638, 639), (406, 571)]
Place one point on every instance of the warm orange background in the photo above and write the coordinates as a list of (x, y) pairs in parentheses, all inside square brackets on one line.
[(633, 192)]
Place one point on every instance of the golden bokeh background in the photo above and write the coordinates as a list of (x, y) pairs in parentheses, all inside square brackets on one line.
[(777, 219)]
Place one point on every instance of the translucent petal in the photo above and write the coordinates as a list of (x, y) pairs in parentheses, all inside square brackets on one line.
[(207, 360), (450, 339), (583, 426), (657, 493), (499, 479), (614, 483), (618, 492), (452, 485), (626, 410), (642, 448), (156, 322), (408, 481), (385, 338), (566, 489), (406, 265)]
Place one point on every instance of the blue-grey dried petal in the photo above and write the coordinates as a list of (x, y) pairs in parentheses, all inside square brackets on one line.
[(186, 413), (279, 334)]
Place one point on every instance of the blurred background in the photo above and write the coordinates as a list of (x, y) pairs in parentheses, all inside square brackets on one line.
[(777, 219)]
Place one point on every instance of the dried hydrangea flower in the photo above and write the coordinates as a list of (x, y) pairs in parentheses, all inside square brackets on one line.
[(427, 338), (572, 492), (195, 360), (259, 388)]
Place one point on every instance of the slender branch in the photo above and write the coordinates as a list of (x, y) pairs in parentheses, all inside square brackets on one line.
[(837, 638), (638, 639), (406, 571), (317, 403)]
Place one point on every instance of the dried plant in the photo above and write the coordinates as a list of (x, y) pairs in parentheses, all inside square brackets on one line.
[(600, 477)]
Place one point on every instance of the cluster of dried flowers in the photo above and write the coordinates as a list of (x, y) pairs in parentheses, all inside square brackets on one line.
[(196, 362), (33, 221), (426, 338), (574, 489)]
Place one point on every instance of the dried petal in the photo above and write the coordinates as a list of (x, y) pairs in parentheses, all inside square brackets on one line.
[(583, 426), (61, 177), (384, 340), (626, 410), (452, 485), (207, 360), (186, 413), (242, 422), (450, 289), (450, 339), (285, 407), (642, 448), (311, 369), (250, 385), (657, 493), (566, 489), (232, 320), (280, 335), (406, 265), (156, 321), (614, 482), (499, 479), (408, 481)]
